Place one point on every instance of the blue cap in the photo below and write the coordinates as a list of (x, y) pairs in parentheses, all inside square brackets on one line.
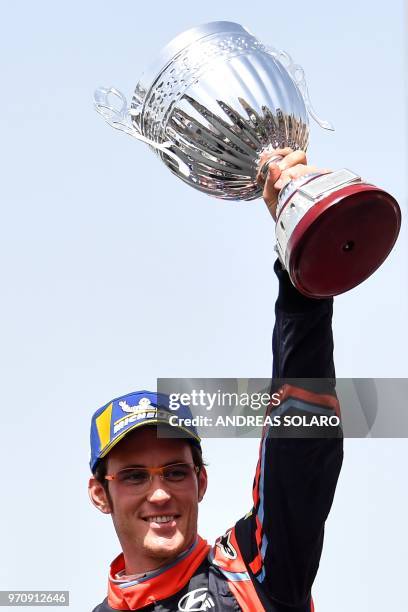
[(114, 420)]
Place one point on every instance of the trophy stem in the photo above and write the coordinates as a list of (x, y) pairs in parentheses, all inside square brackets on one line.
[(265, 167)]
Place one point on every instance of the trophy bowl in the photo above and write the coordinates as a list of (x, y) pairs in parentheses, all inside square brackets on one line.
[(221, 98), (216, 97), (213, 101)]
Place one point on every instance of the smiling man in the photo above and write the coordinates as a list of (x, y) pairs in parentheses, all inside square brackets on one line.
[(151, 485), (154, 523)]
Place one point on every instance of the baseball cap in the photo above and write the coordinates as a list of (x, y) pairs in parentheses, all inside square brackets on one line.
[(113, 421)]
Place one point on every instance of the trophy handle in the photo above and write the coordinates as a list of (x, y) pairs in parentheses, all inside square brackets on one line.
[(298, 76), (112, 105)]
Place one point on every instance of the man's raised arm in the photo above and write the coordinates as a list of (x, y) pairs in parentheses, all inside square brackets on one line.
[(295, 478)]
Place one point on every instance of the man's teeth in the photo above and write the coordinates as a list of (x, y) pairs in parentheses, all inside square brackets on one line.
[(160, 519)]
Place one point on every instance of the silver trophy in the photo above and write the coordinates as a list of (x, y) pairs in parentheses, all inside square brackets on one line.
[(215, 99)]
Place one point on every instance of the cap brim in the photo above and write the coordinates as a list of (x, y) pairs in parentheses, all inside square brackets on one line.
[(190, 436)]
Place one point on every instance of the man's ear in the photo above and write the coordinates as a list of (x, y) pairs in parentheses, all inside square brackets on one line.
[(202, 483), (98, 496)]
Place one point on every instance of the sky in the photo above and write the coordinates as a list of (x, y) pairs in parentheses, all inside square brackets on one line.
[(115, 273)]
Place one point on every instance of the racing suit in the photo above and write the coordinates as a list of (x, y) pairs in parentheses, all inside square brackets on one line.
[(269, 559)]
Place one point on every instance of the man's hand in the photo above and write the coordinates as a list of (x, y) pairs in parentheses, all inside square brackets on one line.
[(292, 166)]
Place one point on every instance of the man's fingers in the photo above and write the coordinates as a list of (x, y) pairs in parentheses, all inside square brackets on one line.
[(274, 174), (291, 167), (270, 194), (268, 154), (293, 159), (265, 155), (297, 172), (290, 159), (277, 178)]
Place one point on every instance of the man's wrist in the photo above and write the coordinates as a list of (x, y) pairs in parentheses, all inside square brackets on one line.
[(290, 299)]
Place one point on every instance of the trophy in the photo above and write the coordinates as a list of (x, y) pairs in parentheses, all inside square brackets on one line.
[(213, 101)]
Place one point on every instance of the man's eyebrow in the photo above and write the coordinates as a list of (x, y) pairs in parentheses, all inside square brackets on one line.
[(138, 465)]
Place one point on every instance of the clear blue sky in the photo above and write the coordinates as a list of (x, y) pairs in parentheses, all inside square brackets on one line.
[(114, 273)]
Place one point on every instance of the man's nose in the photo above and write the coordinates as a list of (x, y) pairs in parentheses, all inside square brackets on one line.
[(158, 492)]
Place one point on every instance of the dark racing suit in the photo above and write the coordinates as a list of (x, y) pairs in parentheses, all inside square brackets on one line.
[(269, 559)]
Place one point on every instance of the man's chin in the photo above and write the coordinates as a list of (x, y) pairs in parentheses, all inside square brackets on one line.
[(164, 548)]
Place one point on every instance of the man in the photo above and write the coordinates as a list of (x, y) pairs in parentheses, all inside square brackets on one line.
[(152, 486)]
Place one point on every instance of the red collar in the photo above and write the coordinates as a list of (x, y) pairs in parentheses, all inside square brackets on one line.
[(153, 587)]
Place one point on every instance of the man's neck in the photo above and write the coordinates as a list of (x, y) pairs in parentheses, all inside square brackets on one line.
[(134, 569)]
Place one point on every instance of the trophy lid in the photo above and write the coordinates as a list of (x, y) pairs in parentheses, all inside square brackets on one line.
[(181, 42)]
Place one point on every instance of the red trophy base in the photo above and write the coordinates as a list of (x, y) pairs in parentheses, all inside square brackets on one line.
[(342, 239)]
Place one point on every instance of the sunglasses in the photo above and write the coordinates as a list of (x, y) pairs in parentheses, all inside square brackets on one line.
[(140, 478)]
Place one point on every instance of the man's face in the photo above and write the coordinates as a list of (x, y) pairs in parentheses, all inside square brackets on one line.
[(146, 542)]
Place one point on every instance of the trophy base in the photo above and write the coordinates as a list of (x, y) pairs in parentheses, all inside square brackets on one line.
[(342, 239)]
